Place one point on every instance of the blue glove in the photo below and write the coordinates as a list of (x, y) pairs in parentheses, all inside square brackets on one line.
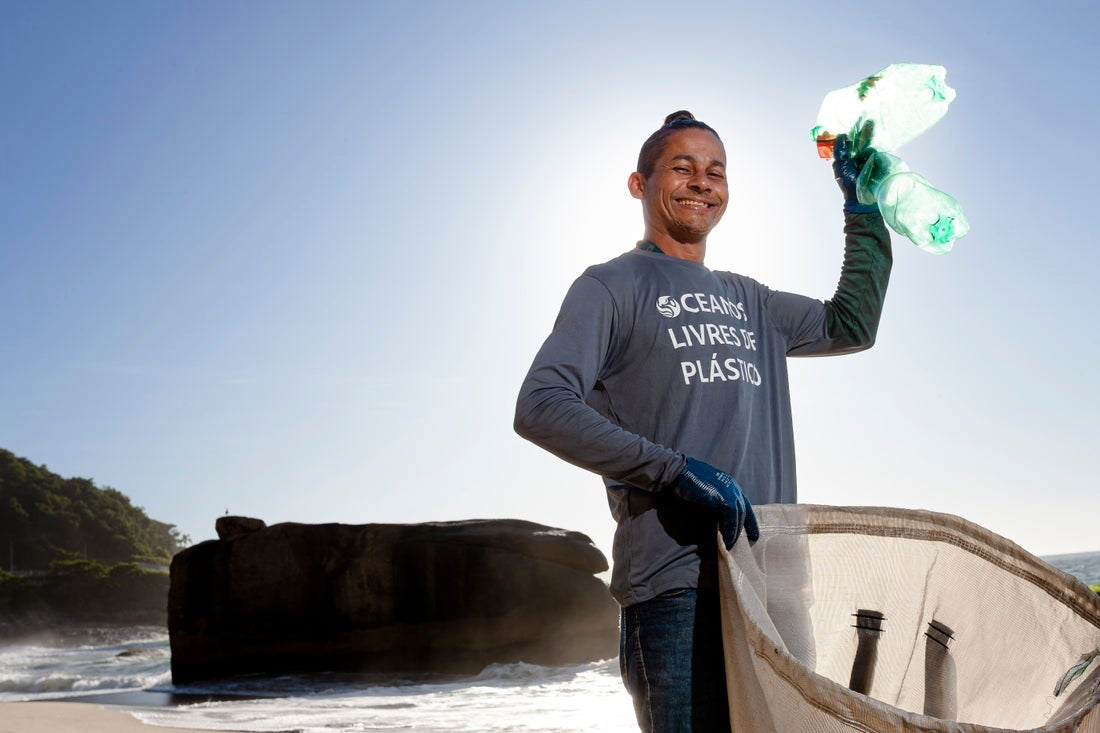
[(846, 170), (701, 483)]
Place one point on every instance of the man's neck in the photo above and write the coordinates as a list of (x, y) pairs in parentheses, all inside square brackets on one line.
[(693, 251)]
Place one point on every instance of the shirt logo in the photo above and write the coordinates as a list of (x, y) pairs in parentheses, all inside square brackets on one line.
[(667, 306)]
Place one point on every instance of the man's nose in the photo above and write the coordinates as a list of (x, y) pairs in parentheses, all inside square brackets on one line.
[(699, 182)]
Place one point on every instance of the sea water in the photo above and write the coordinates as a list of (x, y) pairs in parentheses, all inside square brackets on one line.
[(504, 697)]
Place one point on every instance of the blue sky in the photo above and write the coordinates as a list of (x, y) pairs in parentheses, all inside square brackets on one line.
[(293, 259)]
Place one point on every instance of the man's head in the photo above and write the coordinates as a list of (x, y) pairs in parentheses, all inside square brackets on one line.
[(681, 181)]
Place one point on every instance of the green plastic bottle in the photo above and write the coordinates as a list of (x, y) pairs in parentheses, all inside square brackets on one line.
[(910, 205), (880, 114), (903, 101)]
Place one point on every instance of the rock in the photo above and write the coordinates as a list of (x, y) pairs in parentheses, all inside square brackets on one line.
[(439, 597), (230, 526)]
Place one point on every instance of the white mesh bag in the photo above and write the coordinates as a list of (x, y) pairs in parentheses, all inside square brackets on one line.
[(938, 623)]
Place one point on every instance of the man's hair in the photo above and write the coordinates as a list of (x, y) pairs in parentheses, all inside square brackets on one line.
[(651, 148)]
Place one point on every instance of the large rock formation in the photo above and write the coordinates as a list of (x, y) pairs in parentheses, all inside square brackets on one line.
[(446, 597)]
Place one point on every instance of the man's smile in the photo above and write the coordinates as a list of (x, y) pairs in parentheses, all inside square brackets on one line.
[(695, 203)]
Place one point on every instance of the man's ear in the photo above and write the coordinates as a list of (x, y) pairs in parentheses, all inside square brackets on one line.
[(636, 184)]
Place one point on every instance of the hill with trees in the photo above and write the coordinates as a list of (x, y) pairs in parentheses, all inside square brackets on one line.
[(46, 518), (71, 551)]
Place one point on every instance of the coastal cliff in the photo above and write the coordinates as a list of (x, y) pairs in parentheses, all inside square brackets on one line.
[(437, 597)]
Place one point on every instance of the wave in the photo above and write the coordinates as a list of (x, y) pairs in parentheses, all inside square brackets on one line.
[(533, 673), (23, 687), (351, 684), (93, 661), (503, 697)]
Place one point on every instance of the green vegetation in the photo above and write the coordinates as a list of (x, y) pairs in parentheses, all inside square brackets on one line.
[(46, 519), (76, 549), (1095, 587), (85, 590)]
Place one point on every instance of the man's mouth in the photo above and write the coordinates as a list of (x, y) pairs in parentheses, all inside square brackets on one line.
[(695, 203)]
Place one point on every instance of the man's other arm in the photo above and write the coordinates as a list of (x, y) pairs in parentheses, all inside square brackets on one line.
[(551, 410)]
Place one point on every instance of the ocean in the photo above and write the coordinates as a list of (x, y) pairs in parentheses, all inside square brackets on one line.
[(129, 667)]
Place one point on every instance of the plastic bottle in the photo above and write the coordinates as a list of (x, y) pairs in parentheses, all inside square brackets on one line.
[(868, 630), (902, 100), (910, 205), (940, 676), (879, 114)]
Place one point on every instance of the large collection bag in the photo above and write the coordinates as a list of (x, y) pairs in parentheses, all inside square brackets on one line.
[(942, 625)]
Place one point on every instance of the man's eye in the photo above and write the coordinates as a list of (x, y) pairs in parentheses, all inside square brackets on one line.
[(716, 174), (681, 169)]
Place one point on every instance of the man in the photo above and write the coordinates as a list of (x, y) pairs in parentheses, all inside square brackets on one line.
[(670, 381)]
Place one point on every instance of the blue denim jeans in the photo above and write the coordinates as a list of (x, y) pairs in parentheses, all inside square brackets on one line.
[(671, 661)]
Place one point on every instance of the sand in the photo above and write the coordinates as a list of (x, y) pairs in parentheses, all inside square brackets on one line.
[(72, 717)]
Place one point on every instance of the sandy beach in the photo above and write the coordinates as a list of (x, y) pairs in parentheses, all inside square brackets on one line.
[(71, 717)]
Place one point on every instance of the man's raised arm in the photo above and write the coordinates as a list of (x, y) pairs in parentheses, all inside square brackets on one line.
[(852, 315)]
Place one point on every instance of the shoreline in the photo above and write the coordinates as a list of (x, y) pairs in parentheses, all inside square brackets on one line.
[(53, 716), (146, 699)]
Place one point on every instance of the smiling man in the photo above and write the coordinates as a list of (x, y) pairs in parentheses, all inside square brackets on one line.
[(670, 381)]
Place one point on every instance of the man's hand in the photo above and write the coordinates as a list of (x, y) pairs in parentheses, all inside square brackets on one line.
[(701, 483), (846, 170)]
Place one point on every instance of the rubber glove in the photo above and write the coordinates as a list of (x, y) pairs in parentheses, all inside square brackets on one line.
[(846, 170), (701, 483)]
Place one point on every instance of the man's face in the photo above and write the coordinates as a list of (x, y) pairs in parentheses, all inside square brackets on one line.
[(685, 195)]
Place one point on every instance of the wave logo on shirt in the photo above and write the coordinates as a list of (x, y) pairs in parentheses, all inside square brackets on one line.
[(667, 306)]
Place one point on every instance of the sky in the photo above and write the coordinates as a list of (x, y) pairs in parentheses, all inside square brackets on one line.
[(292, 260)]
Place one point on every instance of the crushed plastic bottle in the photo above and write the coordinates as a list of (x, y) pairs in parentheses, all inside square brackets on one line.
[(902, 100), (880, 114), (930, 218)]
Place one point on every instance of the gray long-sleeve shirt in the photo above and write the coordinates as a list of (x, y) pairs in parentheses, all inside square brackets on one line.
[(654, 358)]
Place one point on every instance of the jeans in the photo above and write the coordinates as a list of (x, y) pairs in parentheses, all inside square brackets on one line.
[(671, 661)]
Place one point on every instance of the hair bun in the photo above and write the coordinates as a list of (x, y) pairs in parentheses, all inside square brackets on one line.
[(677, 116), (674, 123)]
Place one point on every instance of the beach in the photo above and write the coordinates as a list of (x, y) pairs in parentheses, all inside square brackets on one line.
[(70, 717)]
